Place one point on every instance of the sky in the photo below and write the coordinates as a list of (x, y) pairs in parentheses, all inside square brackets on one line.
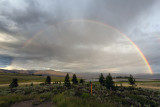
[(80, 35)]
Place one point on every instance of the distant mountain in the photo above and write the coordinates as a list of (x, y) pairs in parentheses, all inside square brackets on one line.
[(37, 72), (86, 75), (51, 72)]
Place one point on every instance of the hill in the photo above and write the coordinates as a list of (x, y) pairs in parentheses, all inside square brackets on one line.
[(37, 72)]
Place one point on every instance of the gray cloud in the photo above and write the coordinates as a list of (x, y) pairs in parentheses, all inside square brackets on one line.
[(78, 45)]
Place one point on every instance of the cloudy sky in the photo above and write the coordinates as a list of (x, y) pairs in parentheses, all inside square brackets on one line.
[(80, 35)]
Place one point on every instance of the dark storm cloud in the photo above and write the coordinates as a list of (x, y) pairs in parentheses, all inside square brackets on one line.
[(113, 12), (118, 13), (3, 27), (5, 60), (30, 14)]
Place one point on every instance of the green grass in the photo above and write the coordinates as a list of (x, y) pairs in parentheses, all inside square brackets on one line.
[(9, 99), (6, 78), (62, 100)]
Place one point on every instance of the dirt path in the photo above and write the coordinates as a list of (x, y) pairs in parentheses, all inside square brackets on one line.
[(26, 83), (29, 104)]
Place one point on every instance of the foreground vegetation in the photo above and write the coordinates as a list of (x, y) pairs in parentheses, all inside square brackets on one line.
[(79, 94)]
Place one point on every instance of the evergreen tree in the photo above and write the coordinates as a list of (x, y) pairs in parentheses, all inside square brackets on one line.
[(131, 80), (81, 81), (74, 79), (31, 84), (109, 82), (48, 80), (101, 79), (14, 83), (67, 81)]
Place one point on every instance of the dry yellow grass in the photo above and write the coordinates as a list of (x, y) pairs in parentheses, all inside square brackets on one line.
[(154, 85)]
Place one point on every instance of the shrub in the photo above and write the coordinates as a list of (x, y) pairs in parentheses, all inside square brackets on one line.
[(86, 95), (81, 81), (42, 84), (7, 100)]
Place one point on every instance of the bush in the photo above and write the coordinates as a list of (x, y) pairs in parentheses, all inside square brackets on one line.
[(42, 84), (86, 95), (7, 100)]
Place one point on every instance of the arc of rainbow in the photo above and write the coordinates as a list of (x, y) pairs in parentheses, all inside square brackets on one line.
[(30, 40), (93, 21)]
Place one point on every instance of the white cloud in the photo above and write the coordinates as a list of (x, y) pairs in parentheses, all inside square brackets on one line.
[(7, 38)]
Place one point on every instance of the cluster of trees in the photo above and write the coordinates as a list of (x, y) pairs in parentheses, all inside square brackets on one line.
[(109, 83), (74, 80), (66, 80), (67, 83)]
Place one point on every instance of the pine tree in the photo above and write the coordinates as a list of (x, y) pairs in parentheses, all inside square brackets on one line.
[(81, 81), (14, 83), (74, 79), (48, 80), (67, 81), (101, 79), (109, 82), (131, 80)]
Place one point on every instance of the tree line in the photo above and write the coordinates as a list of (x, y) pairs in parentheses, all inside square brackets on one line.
[(107, 82)]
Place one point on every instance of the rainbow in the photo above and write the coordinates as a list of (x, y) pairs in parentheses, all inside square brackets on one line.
[(97, 22)]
